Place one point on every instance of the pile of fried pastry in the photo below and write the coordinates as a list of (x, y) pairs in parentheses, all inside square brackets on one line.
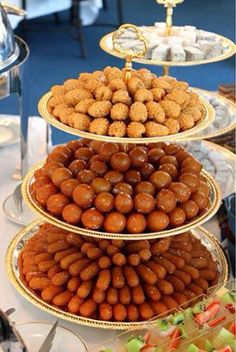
[(115, 280), (105, 103), (121, 189)]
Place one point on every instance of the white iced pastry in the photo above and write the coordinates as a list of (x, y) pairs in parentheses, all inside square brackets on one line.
[(186, 43), (214, 162)]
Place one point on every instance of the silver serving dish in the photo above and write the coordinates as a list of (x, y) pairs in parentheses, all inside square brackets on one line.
[(9, 49)]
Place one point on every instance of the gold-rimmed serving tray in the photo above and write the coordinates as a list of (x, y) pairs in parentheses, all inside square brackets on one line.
[(201, 125), (231, 108), (215, 201), (230, 49), (24, 234)]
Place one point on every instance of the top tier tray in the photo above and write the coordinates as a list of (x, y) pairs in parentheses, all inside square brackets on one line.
[(106, 44), (182, 136)]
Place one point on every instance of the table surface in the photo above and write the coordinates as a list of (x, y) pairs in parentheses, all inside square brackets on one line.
[(9, 297)]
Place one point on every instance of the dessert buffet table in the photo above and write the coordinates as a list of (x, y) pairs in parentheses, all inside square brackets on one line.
[(26, 312)]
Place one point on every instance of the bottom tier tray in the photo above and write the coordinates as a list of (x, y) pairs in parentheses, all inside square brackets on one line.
[(12, 265)]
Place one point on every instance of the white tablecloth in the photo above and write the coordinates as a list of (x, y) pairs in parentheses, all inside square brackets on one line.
[(9, 158), (89, 9)]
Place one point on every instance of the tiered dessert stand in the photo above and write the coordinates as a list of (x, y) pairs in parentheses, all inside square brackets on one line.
[(207, 238)]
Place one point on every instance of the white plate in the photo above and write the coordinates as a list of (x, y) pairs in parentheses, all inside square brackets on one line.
[(9, 131), (14, 215), (34, 333)]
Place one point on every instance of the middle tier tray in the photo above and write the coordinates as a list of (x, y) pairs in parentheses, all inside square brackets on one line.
[(214, 204), (185, 135)]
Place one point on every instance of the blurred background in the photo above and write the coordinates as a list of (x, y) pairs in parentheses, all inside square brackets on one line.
[(63, 44)]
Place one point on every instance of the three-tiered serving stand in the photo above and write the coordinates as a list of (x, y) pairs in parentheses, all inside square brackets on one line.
[(207, 238)]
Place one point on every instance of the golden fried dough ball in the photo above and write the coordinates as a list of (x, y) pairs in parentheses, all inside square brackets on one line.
[(79, 121), (195, 112), (121, 96), (75, 95), (100, 76), (92, 84), (160, 82), (155, 111), (134, 84), (70, 84), (99, 126), (117, 84), (103, 93), (172, 125), (117, 129), (138, 112), (179, 85), (64, 114), (83, 105), (154, 129), (56, 100), (100, 108), (135, 129), (113, 73), (58, 90), (119, 111), (146, 76), (58, 108), (186, 121), (193, 97), (171, 108), (143, 95), (179, 97), (84, 76), (158, 94)]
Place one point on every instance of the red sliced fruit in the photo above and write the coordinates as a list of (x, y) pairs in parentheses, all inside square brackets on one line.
[(203, 318), (213, 308), (230, 307), (216, 321), (147, 336), (233, 328), (149, 348), (226, 349), (175, 340)]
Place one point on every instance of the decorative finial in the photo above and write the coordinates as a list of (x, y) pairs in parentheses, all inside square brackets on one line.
[(129, 54), (169, 5)]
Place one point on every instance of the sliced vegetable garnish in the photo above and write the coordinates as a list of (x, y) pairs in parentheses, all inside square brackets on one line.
[(213, 308), (227, 298), (163, 324), (147, 336), (208, 346), (232, 329), (149, 348), (183, 332), (192, 348), (231, 307), (134, 345), (203, 318), (216, 321), (225, 334), (177, 318), (226, 349), (175, 340)]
